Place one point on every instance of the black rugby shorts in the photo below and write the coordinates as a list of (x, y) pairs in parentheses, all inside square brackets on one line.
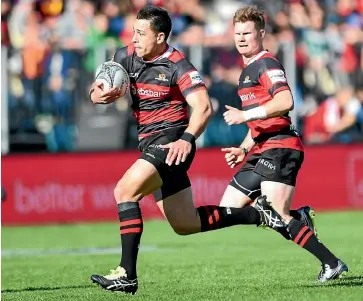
[(278, 165), (175, 178)]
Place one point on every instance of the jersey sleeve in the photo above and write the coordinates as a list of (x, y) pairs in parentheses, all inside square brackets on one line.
[(121, 55), (272, 76), (188, 78)]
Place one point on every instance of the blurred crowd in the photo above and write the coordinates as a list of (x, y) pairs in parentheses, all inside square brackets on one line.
[(52, 48)]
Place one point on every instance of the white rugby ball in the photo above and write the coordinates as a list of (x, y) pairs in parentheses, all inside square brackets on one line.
[(113, 75)]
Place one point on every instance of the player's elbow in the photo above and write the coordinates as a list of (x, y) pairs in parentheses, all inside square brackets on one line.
[(288, 103), (283, 101), (209, 113), (208, 110), (204, 111)]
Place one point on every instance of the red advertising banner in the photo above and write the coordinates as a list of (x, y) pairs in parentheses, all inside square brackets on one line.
[(65, 188)]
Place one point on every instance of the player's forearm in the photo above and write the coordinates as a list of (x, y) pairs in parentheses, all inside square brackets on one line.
[(199, 120), (248, 143)]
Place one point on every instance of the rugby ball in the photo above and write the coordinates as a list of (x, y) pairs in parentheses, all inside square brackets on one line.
[(113, 75)]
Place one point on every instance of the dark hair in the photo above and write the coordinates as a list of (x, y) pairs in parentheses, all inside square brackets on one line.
[(159, 19)]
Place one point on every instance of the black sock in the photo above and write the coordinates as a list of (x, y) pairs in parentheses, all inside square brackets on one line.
[(305, 238), (283, 231), (131, 226), (215, 217)]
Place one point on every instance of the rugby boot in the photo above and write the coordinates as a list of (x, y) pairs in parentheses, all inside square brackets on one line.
[(308, 218), (327, 273), (116, 281)]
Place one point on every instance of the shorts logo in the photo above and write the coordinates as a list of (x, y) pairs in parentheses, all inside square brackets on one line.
[(162, 77), (195, 77), (157, 146), (267, 164), (150, 155), (277, 76)]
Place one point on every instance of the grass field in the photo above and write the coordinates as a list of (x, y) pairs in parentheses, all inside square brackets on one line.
[(239, 263)]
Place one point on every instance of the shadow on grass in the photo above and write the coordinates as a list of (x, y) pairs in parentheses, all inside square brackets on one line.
[(346, 281), (45, 288)]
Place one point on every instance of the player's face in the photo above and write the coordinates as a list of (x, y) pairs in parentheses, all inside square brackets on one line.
[(247, 38), (146, 41)]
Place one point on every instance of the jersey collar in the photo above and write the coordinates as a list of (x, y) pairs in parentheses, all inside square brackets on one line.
[(163, 55), (258, 56)]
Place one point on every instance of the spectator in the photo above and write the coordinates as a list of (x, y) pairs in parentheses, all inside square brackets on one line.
[(44, 79), (335, 119)]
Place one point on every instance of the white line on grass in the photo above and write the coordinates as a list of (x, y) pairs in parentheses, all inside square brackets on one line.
[(75, 251)]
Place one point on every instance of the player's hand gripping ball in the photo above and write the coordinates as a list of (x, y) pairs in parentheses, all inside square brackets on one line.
[(113, 79)]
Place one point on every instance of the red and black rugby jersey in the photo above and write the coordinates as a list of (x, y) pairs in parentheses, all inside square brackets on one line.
[(261, 79), (159, 88)]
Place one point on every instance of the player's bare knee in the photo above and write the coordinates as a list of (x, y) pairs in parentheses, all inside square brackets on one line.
[(125, 192)]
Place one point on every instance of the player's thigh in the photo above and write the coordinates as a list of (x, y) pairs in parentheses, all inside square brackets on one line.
[(235, 198), (180, 211), (280, 195), (278, 169), (244, 186), (141, 179)]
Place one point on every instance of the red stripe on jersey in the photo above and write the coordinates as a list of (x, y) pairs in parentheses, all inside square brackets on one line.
[(130, 49), (186, 80), (169, 114), (176, 56), (292, 143), (178, 97), (273, 124)]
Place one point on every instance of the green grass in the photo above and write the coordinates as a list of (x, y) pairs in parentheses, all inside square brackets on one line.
[(239, 263)]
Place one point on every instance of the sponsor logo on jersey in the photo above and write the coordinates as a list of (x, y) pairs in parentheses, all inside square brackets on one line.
[(147, 92), (247, 80), (277, 76), (195, 77), (134, 75), (248, 96), (162, 77)]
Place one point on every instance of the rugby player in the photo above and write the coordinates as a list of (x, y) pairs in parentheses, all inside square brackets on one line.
[(162, 84), (275, 149)]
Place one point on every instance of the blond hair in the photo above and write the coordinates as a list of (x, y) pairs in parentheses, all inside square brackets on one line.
[(250, 13)]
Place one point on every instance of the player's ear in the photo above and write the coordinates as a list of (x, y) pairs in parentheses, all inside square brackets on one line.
[(160, 38), (262, 33)]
